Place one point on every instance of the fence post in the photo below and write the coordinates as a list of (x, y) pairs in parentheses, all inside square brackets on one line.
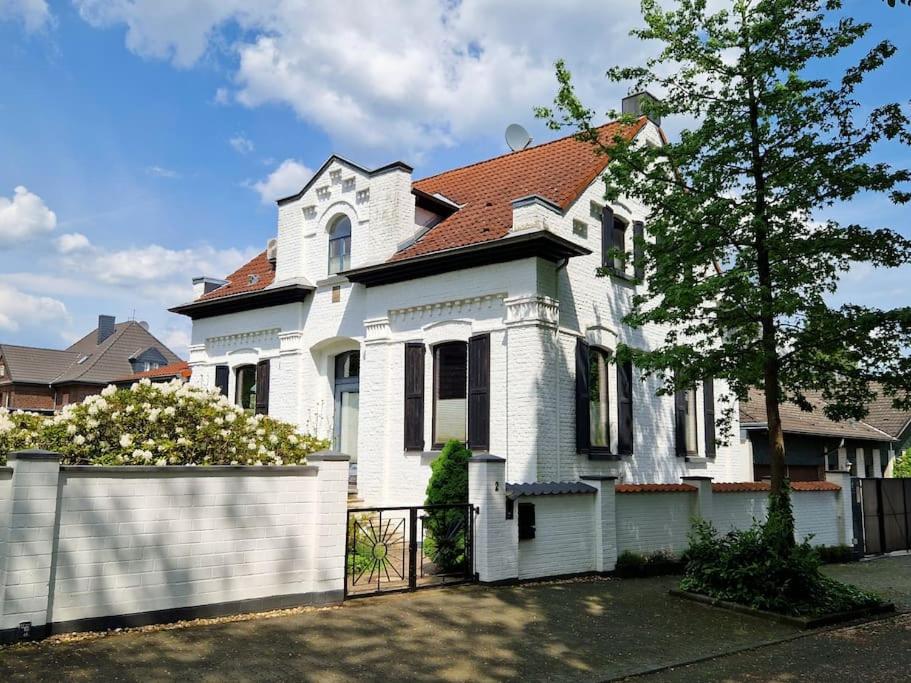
[(845, 512), (605, 521), (496, 539), (30, 518), (705, 507), (331, 518)]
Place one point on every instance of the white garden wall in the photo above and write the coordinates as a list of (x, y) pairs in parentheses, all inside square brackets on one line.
[(585, 531), (92, 547)]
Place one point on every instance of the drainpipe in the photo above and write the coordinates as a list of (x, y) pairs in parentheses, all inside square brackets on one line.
[(559, 268)]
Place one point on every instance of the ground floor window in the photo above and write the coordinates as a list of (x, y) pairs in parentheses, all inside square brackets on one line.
[(599, 398), (245, 387), (450, 401)]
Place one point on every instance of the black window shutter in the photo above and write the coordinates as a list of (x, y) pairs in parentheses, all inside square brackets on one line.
[(680, 423), (414, 396), (583, 414), (221, 379), (708, 397), (262, 387), (479, 392), (607, 234), (639, 248), (625, 408)]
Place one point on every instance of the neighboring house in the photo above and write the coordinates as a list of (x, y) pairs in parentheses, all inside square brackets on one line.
[(165, 373), (895, 423), (45, 380), (393, 315), (814, 443)]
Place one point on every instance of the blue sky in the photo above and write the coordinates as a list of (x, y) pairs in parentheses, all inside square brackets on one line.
[(141, 141)]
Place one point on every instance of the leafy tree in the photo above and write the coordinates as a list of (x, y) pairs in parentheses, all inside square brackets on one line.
[(743, 263), (902, 466)]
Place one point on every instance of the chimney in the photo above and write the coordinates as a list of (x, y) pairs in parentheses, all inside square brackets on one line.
[(105, 327), (632, 104)]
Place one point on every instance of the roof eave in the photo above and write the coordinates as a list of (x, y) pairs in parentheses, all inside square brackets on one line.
[(539, 243), (245, 301)]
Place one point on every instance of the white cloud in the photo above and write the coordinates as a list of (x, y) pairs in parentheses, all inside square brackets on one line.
[(162, 172), (866, 285), (288, 178), (34, 14), (24, 217), (241, 144), (177, 339), (396, 74), (70, 242), (19, 309)]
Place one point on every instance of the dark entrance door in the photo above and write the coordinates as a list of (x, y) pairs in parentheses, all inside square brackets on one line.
[(886, 513), (405, 548)]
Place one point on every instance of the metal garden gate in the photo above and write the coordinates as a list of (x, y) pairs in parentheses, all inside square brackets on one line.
[(392, 549), (885, 510)]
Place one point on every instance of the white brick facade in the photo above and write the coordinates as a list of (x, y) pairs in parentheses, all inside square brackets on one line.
[(533, 309)]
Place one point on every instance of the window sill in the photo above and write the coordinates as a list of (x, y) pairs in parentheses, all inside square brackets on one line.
[(623, 278), (698, 459), (332, 280), (604, 454)]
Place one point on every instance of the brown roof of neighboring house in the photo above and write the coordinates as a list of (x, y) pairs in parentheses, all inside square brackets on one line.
[(86, 360), (256, 274), (559, 171), (883, 415), (179, 369), (34, 365), (797, 421)]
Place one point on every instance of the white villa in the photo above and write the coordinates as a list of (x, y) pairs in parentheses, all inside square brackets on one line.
[(394, 314)]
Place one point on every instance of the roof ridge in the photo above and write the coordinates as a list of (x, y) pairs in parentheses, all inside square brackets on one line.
[(512, 153), (36, 348)]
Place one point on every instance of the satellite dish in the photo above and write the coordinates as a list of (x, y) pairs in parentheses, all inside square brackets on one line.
[(517, 137)]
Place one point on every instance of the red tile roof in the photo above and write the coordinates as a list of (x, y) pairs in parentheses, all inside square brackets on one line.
[(180, 369), (655, 488), (239, 282), (764, 486), (558, 171)]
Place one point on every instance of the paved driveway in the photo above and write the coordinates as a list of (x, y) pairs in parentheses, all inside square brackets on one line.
[(587, 630)]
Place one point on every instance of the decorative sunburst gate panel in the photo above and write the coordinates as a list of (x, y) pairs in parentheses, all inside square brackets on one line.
[(404, 548)]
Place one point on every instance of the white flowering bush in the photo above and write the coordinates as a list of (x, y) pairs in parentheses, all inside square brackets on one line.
[(158, 424)]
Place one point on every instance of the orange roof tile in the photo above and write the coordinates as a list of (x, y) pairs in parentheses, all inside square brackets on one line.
[(253, 276), (179, 369), (558, 171), (655, 488), (764, 486)]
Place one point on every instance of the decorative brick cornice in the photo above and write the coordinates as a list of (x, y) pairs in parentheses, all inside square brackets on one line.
[(377, 330), (243, 338), (447, 309), (290, 342)]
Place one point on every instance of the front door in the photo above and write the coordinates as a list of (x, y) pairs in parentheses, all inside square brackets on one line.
[(347, 394)]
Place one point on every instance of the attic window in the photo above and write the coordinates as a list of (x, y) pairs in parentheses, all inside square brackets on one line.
[(580, 228), (594, 210), (252, 279)]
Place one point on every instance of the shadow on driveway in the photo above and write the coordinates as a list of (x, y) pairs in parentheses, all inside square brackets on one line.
[(579, 630)]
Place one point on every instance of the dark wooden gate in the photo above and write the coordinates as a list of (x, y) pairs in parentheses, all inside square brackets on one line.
[(395, 549), (886, 513)]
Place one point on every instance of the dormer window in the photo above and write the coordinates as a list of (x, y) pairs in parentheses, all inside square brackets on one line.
[(339, 245)]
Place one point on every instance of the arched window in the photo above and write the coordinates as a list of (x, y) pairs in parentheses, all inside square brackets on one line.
[(245, 387), (339, 244)]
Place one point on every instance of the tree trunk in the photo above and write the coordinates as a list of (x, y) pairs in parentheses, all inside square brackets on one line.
[(773, 418)]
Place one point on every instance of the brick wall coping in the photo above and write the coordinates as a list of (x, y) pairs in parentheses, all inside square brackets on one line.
[(764, 486), (197, 471), (656, 488)]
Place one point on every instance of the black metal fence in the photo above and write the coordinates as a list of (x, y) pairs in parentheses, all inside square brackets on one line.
[(393, 549), (884, 507)]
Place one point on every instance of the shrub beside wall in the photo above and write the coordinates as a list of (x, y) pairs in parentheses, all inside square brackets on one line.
[(158, 424)]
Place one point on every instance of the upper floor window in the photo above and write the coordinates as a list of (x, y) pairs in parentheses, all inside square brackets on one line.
[(619, 243), (339, 245), (692, 446)]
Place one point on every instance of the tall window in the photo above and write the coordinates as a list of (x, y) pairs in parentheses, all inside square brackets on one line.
[(619, 242), (450, 401), (599, 398), (340, 245), (245, 387), (692, 445)]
